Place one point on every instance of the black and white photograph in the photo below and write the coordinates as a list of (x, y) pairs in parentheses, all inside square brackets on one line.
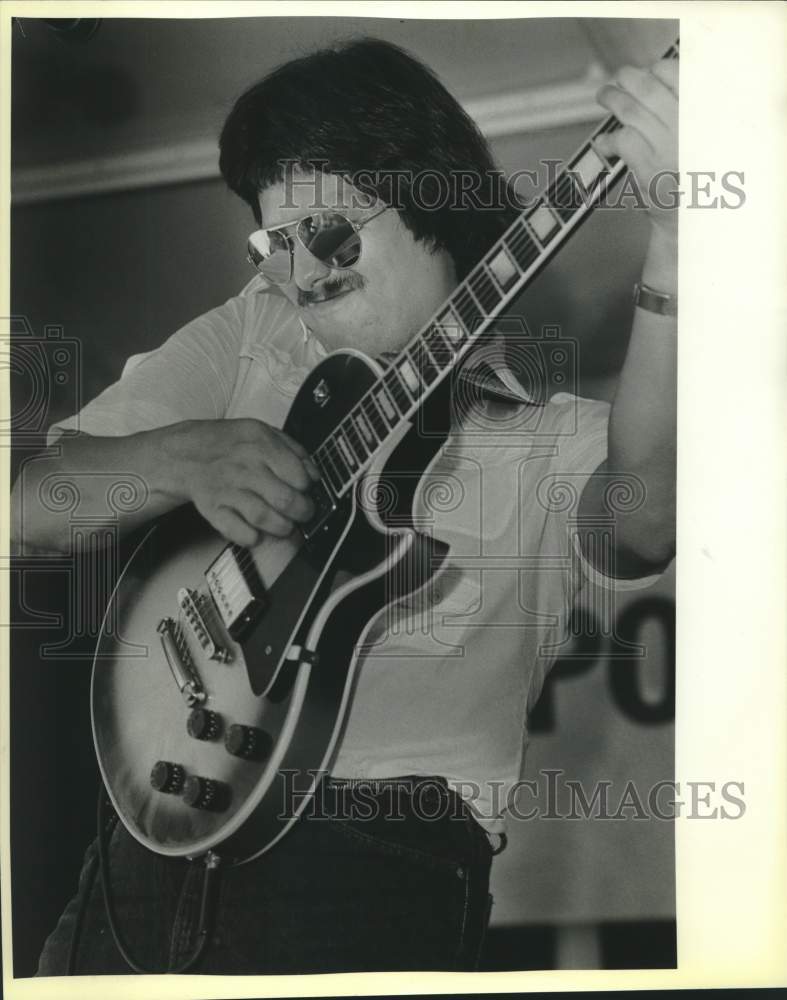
[(343, 442)]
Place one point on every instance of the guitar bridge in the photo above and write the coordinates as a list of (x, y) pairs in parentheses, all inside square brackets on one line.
[(236, 589), (193, 606)]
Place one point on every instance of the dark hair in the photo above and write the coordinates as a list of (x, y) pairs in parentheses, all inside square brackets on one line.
[(372, 113)]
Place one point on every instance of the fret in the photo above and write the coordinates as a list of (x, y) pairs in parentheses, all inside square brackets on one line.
[(371, 410), (544, 223), (565, 198), (587, 168), (522, 245), (438, 347), (396, 391), (338, 473), (424, 365), (452, 328), (609, 125), (466, 308), (365, 428), (409, 376), (353, 437), (434, 334), (464, 291), (345, 450), (326, 468), (483, 289), (385, 403), (503, 268)]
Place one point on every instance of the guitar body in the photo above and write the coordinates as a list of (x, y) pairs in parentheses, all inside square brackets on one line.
[(220, 751)]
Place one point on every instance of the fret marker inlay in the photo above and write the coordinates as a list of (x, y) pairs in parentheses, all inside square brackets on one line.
[(344, 448), (451, 327), (409, 377), (385, 405), (587, 168), (503, 269), (543, 222), (366, 430)]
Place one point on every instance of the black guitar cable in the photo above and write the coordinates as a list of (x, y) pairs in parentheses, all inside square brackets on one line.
[(100, 864), (90, 878)]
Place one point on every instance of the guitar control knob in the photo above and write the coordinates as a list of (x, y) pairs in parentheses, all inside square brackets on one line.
[(167, 777), (203, 724), (205, 793), (248, 742)]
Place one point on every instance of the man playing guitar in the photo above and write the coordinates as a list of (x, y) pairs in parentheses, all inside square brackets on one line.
[(388, 867)]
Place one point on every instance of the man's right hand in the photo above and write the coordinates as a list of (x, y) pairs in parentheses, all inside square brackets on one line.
[(244, 476)]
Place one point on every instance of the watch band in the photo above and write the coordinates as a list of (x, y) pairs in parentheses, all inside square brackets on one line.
[(654, 301)]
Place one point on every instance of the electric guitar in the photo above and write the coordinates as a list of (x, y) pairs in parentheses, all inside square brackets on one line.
[(222, 675)]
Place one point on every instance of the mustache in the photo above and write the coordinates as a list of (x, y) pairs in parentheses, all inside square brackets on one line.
[(330, 288)]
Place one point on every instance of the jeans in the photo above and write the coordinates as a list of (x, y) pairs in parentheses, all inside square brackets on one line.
[(348, 889)]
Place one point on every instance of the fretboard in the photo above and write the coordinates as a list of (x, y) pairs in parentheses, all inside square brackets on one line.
[(503, 273)]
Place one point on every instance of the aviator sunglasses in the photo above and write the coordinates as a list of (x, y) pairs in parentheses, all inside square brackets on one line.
[(331, 237)]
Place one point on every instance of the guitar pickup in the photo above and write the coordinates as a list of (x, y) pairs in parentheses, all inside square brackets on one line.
[(195, 608), (237, 590)]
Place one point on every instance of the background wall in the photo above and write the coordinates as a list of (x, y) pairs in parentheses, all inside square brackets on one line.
[(133, 114)]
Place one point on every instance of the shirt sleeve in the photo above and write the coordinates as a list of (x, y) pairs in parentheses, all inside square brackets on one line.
[(580, 428), (190, 377)]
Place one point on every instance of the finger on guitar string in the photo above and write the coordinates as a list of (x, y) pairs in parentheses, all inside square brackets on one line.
[(262, 515), (646, 107), (628, 143), (302, 453), (296, 471), (288, 458), (270, 493), (269, 469), (630, 111), (242, 476), (651, 92), (667, 70)]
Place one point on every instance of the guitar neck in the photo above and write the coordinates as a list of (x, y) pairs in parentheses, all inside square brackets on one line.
[(503, 273)]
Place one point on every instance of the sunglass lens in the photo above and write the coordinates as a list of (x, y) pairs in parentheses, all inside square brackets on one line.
[(331, 239), (270, 254)]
